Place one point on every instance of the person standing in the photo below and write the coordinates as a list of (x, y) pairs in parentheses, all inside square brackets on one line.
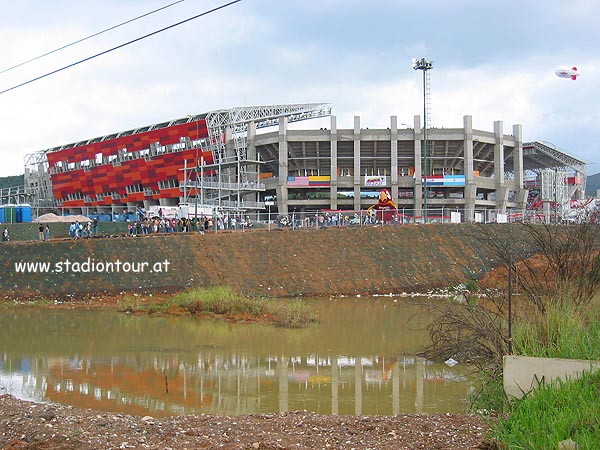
[(47, 232), (5, 236), (41, 232)]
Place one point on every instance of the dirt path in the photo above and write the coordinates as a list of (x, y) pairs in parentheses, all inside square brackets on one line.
[(26, 425)]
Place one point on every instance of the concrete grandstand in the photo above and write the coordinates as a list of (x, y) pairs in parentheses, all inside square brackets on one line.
[(228, 161)]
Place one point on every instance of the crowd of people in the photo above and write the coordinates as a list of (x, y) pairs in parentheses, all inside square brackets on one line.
[(150, 225), (78, 230), (202, 225)]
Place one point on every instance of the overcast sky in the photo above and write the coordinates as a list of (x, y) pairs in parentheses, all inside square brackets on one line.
[(494, 60)]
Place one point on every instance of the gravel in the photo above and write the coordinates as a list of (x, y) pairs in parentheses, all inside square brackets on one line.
[(26, 425)]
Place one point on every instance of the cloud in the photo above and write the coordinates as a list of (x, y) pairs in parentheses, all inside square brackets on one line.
[(355, 55)]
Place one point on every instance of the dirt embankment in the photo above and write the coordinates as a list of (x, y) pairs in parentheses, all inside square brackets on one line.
[(392, 259)]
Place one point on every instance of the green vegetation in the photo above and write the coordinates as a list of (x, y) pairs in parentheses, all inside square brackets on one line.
[(223, 301), (557, 412), (564, 331), (554, 312), (12, 181), (561, 410), (592, 185)]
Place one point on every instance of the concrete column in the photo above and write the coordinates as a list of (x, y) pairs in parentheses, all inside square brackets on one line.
[(251, 155), (518, 155), (522, 193), (357, 174), (282, 190), (251, 136), (501, 189), (334, 163), (470, 188), (394, 157), (229, 147), (229, 173), (418, 176)]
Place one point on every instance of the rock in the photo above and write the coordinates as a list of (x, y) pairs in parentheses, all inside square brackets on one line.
[(567, 444), (47, 415)]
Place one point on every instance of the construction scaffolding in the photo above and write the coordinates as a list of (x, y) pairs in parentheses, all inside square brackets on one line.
[(554, 193), (37, 182), (232, 181)]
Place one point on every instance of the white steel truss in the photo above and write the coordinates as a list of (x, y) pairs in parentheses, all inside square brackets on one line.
[(237, 175), (238, 119), (555, 190)]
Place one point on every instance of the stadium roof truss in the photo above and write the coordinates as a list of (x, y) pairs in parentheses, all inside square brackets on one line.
[(228, 194), (37, 178), (239, 118), (539, 156)]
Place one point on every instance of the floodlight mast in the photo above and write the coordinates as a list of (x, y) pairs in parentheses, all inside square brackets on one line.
[(424, 65)]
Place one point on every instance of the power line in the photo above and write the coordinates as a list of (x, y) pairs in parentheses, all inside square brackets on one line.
[(121, 46), (88, 37)]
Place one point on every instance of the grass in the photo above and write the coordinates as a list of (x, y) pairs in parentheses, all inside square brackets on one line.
[(563, 332), (223, 301), (557, 412), (39, 301)]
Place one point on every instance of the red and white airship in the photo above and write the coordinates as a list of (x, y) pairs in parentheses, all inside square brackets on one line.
[(567, 73)]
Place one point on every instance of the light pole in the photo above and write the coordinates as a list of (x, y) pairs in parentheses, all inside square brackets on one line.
[(424, 65)]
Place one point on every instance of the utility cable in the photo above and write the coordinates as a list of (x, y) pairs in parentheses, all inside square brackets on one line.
[(88, 37), (121, 46)]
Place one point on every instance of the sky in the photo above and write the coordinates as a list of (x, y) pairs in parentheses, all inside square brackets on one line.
[(493, 60)]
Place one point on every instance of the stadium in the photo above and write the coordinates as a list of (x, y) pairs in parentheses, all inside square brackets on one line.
[(249, 161)]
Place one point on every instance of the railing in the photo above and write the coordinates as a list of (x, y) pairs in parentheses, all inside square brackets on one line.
[(404, 216), (315, 219), (214, 185)]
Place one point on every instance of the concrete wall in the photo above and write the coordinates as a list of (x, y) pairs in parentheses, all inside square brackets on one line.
[(524, 374)]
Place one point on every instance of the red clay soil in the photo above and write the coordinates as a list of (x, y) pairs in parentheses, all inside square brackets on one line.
[(392, 259)]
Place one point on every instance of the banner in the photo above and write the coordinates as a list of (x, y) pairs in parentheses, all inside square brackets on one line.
[(375, 180)]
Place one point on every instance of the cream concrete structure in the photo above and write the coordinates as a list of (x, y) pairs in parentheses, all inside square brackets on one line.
[(483, 170), (472, 175)]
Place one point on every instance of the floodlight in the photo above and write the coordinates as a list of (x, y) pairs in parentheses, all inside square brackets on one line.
[(422, 64)]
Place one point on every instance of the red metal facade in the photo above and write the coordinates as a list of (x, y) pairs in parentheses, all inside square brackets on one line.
[(79, 179)]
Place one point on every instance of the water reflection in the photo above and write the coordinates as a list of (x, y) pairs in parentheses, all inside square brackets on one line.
[(360, 359)]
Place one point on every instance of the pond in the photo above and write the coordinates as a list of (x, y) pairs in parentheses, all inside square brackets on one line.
[(361, 358)]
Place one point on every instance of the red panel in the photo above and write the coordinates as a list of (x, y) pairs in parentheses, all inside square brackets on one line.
[(140, 141), (108, 179)]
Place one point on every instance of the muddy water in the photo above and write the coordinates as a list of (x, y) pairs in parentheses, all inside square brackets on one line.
[(360, 359)]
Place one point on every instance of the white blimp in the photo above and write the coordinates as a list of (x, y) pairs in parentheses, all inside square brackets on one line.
[(567, 73)]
